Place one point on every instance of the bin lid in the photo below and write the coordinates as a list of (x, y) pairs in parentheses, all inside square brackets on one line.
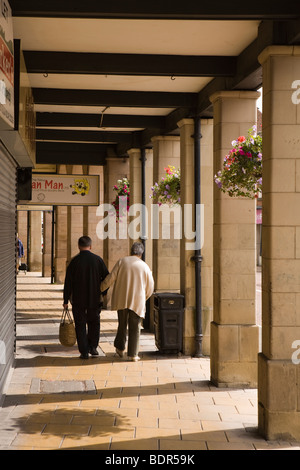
[(168, 295)]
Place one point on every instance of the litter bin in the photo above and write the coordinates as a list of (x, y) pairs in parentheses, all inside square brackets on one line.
[(168, 322)]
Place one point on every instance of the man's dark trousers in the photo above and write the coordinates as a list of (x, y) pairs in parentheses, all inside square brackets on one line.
[(87, 326)]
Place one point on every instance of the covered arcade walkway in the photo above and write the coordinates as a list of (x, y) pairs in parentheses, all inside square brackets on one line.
[(54, 400)]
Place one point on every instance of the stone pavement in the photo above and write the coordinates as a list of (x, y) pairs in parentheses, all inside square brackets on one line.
[(54, 400)]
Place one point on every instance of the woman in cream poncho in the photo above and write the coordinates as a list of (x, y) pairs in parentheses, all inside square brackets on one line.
[(133, 285)]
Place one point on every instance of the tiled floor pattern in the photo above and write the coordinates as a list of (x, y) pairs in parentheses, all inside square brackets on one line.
[(160, 403)]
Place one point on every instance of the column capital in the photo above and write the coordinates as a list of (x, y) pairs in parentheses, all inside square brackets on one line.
[(114, 159), (278, 51), (133, 150), (234, 94), (185, 122), (165, 138)]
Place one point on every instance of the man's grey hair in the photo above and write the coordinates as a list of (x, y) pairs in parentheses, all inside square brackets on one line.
[(137, 249)]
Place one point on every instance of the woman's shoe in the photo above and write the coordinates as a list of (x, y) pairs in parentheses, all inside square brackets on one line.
[(134, 358)]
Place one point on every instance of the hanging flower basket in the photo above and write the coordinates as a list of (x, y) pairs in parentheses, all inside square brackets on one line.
[(242, 168), (167, 191), (121, 203)]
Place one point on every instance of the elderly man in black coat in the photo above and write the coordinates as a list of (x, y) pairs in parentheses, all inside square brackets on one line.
[(82, 288)]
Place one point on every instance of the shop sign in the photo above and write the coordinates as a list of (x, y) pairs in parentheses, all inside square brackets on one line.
[(6, 67), (65, 190)]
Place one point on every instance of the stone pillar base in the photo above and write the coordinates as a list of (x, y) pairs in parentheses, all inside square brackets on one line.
[(60, 266), (189, 340), (278, 399), (234, 355), (279, 426), (46, 265)]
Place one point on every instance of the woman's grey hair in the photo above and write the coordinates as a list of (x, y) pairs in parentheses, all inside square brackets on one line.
[(137, 249)]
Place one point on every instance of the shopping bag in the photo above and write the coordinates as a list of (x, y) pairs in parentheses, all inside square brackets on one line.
[(67, 334), (23, 267)]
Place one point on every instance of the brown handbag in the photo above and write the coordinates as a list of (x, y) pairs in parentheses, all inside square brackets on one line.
[(67, 334)]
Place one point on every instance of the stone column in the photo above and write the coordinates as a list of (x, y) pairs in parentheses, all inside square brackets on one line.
[(90, 213), (135, 163), (143, 216), (187, 265), (135, 170), (22, 220), (206, 149), (61, 237), (135, 175), (35, 237), (278, 368), (61, 243), (75, 222), (234, 334), (166, 251), (115, 169), (47, 235), (148, 184)]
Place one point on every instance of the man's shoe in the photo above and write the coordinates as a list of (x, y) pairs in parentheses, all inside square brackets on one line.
[(119, 352), (84, 356), (134, 358), (94, 352)]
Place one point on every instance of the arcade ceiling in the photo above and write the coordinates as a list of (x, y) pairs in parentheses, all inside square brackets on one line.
[(108, 78)]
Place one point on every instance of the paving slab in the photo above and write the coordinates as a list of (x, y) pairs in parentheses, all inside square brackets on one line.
[(55, 400)]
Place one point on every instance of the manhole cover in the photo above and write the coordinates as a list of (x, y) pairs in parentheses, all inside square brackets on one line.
[(63, 386)]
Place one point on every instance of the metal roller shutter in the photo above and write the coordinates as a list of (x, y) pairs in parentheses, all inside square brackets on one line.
[(7, 264)]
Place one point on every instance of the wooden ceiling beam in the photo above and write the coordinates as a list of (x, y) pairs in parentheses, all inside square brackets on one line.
[(94, 120), (47, 62), (115, 98), (71, 153), (157, 9), (82, 136)]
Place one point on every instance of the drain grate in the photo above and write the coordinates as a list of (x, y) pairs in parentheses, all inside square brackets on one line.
[(62, 386)]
